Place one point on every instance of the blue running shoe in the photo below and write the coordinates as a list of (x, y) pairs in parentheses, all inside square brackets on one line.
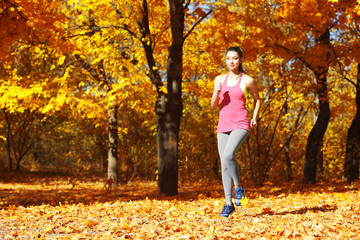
[(239, 195), (227, 210)]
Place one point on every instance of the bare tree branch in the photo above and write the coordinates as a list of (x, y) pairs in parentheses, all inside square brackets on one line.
[(187, 4), (197, 23), (16, 6), (289, 51), (341, 69)]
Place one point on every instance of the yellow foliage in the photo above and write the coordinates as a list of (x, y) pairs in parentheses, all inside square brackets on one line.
[(40, 71)]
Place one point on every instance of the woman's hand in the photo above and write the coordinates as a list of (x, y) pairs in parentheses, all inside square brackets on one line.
[(216, 93), (217, 87), (253, 123)]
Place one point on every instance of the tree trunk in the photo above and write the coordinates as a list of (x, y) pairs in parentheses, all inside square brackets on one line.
[(18, 160), (168, 125), (287, 148), (113, 142), (169, 106), (2, 168), (8, 139), (17, 139), (288, 161), (352, 155), (313, 153), (169, 109), (320, 162), (98, 73), (314, 142)]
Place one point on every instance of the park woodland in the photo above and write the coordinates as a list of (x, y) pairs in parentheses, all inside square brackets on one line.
[(121, 89)]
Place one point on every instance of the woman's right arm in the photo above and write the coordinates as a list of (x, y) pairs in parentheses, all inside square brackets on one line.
[(216, 93)]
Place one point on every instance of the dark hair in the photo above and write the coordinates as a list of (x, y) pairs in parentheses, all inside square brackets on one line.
[(239, 52)]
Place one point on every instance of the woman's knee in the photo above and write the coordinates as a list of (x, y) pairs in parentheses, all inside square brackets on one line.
[(228, 157)]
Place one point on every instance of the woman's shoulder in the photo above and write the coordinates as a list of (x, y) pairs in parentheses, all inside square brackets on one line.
[(220, 78), (247, 79)]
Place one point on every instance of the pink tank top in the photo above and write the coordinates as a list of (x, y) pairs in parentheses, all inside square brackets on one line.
[(233, 113)]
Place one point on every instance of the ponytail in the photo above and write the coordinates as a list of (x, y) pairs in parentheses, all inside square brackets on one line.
[(241, 68)]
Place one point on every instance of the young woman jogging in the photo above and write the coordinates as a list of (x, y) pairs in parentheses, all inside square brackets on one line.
[(234, 126)]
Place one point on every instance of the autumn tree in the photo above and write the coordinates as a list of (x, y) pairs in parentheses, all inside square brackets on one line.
[(98, 73), (317, 56), (169, 104), (27, 55), (135, 21), (317, 47), (103, 75)]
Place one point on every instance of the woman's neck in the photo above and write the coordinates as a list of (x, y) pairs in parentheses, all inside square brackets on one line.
[(234, 73)]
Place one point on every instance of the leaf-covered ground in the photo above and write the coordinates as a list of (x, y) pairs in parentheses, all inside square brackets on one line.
[(34, 207)]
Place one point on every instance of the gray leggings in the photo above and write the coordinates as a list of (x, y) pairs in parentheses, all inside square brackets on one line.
[(228, 143)]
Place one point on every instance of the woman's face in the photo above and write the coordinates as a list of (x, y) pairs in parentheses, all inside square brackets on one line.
[(233, 60)]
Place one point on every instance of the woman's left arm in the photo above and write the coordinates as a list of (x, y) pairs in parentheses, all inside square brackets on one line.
[(253, 89)]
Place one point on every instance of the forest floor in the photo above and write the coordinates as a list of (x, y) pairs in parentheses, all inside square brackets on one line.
[(34, 206)]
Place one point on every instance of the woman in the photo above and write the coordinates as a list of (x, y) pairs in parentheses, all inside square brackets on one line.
[(234, 125)]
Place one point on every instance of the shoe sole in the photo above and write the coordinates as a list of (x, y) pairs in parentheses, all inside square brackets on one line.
[(238, 203), (229, 214)]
